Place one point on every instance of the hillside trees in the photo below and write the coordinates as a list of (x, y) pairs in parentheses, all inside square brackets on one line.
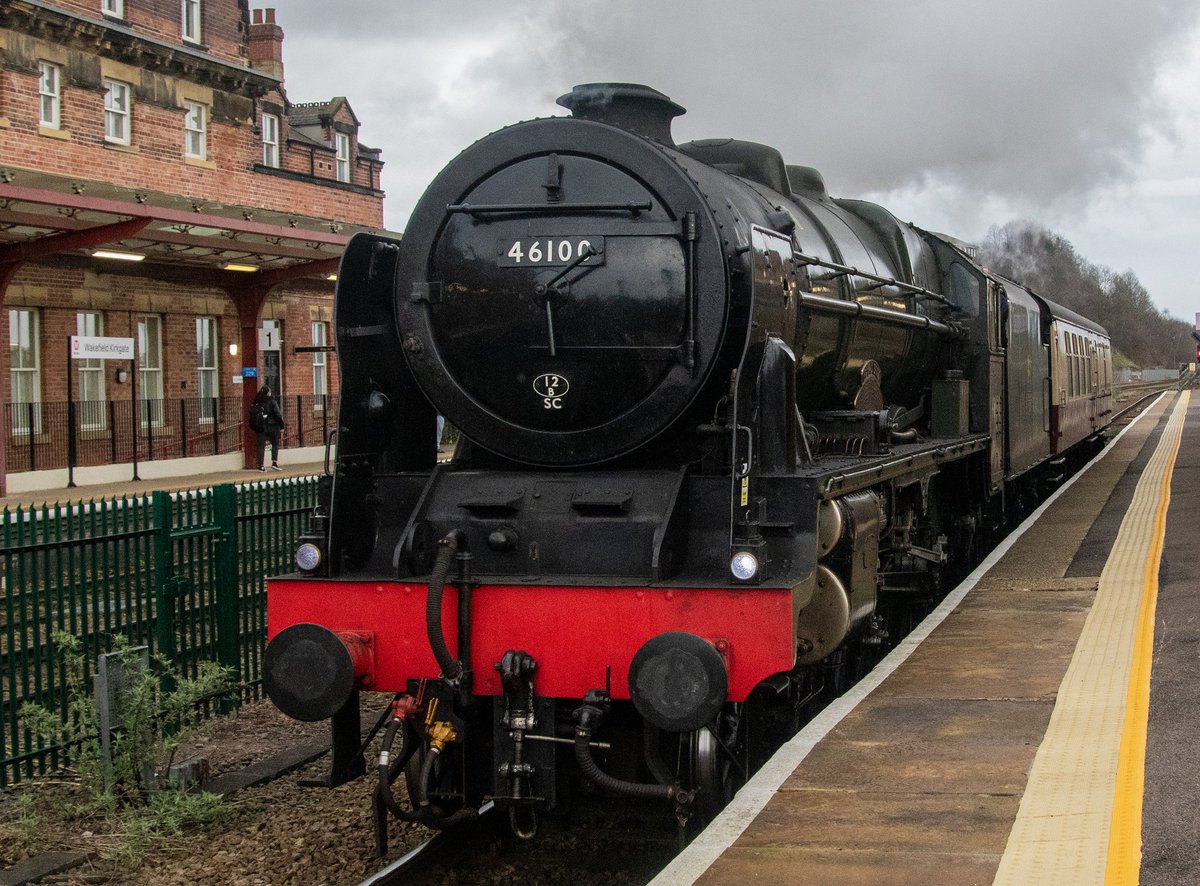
[(1047, 263)]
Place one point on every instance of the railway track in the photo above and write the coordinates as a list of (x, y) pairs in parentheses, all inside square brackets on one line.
[(606, 842), (439, 853)]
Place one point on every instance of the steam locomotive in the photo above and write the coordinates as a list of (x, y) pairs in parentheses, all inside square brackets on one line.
[(722, 435)]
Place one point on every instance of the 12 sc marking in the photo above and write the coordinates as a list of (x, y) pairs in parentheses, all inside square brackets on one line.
[(551, 388)]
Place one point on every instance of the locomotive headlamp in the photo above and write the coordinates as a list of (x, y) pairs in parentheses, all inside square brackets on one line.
[(744, 566), (308, 557)]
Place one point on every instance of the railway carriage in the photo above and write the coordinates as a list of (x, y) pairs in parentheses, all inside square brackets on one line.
[(723, 437)]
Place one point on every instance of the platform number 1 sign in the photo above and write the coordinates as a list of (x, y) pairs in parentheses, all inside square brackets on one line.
[(268, 336)]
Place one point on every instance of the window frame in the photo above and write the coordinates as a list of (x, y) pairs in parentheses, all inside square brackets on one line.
[(320, 338), (92, 417), (124, 115), (54, 96), (191, 27), (342, 163), (30, 330), (270, 145), (190, 131), (113, 8), (207, 374), (150, 373)]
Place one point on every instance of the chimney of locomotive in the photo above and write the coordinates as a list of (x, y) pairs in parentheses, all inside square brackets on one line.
[(630, 106)]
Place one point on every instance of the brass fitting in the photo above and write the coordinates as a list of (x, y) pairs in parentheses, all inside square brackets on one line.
[(441, 734)]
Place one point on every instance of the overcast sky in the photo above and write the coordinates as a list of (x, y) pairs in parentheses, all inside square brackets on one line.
[(1080, 115)]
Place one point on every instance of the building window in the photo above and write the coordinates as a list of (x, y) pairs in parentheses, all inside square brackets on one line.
[(195, 125), (116, 112), (113, 8), (206, 366), (91, 375), (24, 356), (320, 338), (50, 93), (150, 374), (191, 21), (343, 157), (270, 140)]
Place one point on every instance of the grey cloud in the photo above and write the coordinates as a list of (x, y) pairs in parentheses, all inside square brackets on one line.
[(1028, 101), (1026, 98)]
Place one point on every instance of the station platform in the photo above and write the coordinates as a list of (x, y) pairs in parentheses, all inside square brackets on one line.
[(1039, 727), (171, 483)]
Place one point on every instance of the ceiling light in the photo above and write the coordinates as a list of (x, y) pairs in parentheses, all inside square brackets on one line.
[(120, 256), (231, 266)]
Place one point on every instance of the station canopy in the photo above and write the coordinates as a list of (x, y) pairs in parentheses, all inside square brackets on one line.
[(181, 239)]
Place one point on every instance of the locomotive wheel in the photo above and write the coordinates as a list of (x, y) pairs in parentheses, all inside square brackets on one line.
[(709, 772)]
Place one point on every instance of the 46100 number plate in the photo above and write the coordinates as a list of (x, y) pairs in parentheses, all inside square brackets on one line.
[(548, 251)]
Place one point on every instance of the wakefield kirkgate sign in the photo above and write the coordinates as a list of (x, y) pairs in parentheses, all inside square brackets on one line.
[(95, 347)]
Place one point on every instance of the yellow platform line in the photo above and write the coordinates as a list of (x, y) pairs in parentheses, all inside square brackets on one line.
[(1080, 816), (1125, 831)]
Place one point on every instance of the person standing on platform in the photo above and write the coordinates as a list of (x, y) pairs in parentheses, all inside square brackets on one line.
[(267, 422)]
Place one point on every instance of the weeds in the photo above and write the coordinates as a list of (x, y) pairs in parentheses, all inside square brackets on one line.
[(158, 708), (166, 816)]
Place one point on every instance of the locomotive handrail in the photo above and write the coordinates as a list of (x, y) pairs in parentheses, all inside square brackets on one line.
[(549, 208), (845, 270), (853, 308)]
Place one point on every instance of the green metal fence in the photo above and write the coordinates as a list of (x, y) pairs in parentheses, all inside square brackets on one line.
[(184, 573)]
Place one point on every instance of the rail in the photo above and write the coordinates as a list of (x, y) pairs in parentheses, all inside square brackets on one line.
[(442, 850)]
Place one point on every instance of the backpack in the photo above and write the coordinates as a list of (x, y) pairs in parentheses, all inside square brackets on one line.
[(258, 418)]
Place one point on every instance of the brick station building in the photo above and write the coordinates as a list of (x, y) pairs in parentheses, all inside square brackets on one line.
[(157, 184)]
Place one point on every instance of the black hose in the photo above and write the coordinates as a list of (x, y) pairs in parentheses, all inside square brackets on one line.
[(654, 761), (431, 815), (903, 436), (464, 814), (388, 770), (426, 774), (452, 669), (593, 773)]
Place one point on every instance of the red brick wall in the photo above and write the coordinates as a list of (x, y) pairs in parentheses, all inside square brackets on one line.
[(59, 293), (155, 158), (223, 23)]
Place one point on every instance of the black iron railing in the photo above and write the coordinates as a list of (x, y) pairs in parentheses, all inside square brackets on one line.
[(43, 436)]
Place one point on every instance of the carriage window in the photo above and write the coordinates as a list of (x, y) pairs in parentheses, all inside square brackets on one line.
[(1077, 350), (1073, 359), (1068, 364)]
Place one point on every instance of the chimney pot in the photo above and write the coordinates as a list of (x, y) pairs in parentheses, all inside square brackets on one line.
[(265, 46)]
